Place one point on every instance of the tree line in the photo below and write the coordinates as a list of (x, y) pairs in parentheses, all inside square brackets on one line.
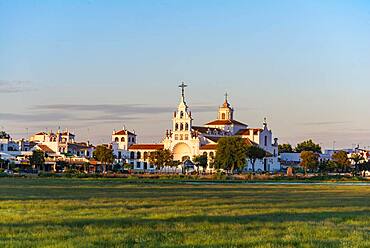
[(339, 162), (307, 145)]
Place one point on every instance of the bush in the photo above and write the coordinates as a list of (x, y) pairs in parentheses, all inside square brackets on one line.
[(45, 174), (2, 174), (220, 175)]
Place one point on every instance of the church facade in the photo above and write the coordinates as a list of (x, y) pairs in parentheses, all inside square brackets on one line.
[(186, 140)]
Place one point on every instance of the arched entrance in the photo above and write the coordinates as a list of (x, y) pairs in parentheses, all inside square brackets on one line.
[(181, 152)]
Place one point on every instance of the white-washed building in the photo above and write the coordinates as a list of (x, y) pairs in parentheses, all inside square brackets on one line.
[(186, 140)]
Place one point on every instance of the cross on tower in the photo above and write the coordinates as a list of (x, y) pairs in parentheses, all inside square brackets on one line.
[(183, 86), (226, 95)]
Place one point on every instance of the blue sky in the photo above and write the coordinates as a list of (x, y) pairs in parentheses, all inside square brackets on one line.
[(92, 66)]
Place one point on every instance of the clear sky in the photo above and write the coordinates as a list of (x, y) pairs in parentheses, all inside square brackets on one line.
[(93, 66)]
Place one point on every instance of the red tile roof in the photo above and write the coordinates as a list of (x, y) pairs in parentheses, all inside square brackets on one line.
[(249, 142), (40, 133), (146, 147), (208, 147), (45, 148), (247, 131), (214, 146), (123, 132), (226, 122)]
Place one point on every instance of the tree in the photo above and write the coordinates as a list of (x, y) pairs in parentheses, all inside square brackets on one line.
[(285, 148), (357, 159), (4, 135), (2, 162), (161, 158), (254, 153), (309, 160), (230, 153), (37, 159), (104, 155), (341, 160), (308, 145), (201, 160), (365, 166)]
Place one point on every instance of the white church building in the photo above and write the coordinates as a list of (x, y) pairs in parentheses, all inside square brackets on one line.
[(187, 140)]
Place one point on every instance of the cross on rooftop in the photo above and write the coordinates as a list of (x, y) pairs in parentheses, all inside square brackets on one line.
[(183, 86)]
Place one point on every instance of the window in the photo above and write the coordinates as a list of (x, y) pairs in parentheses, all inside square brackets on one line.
[(176, 126), (181, 138), (186, 137), (176, 136), (186, 126), (133, 139), (181, 114), (145, 155), (123, 139), (132, 155), (116, 139), (181, 126), (119, 155), (138, 165), (265, 140), (223, 116), (87, 153), (211, 155), (138, 155), (255, 132)]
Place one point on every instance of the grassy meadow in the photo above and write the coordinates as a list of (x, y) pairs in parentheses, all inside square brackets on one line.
[(46, 212)]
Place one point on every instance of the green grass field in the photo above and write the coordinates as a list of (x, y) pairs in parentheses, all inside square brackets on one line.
[(115, 213)]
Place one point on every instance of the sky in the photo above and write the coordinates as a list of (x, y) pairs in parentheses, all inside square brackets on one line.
[(94, 66)]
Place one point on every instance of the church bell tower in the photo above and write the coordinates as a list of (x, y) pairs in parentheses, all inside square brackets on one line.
[(225, 112), (182, 120)]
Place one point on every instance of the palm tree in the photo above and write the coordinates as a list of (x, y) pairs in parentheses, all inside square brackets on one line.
[(357, 159)]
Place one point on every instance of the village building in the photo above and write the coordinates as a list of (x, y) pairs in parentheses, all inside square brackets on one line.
[(186, 140), (62, 143)]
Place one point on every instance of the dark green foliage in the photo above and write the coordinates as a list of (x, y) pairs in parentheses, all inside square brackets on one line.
[(161, 158), (341, 160), (230, 154), (104, 155), (37, 159), (201, 160), (357, 159), (254, 153), (4, 135), (308, 145), (285, 148), (309, 160)]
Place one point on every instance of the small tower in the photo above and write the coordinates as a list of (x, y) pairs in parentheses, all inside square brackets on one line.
[(182, 120), (225, 112)]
